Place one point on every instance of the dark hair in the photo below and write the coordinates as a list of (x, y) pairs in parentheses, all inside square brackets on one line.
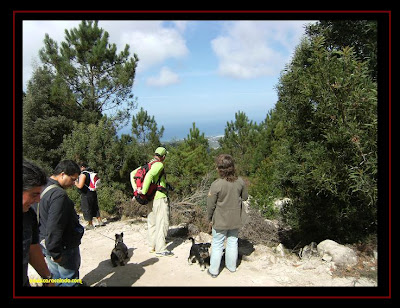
[(69, 167), (226, 167), (32, 176), (83, 164)]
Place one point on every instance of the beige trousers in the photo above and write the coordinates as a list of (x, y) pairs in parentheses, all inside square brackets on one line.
[(157, 224)]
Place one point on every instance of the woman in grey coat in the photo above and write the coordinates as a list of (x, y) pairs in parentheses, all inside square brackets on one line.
[(224, 207)]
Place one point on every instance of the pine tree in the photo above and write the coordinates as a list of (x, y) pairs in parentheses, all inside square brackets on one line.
[(189, 162), (241, 138), (144, 128), (99, 78), (146, 132)]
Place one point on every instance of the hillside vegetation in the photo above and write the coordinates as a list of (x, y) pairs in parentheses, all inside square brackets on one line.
[(317, 146)]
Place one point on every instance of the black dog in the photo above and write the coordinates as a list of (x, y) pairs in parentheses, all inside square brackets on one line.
[(120, 251), (199, 252)]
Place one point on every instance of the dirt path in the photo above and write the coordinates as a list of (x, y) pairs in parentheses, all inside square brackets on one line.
[(259, 267)]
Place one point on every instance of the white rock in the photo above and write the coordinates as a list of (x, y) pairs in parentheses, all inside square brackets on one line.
[(341, 255)]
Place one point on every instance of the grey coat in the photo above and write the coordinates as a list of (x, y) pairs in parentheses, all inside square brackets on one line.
[(224, 202)]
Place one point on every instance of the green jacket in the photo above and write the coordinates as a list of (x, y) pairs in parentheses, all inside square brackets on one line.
[(224, 203), (152, 177)]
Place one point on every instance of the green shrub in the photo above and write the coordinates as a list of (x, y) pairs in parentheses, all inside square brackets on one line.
[(111, 198)]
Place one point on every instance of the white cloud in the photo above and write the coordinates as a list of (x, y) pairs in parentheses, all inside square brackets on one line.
[(154, 43), (165, 78), (250, 49), (33, 35), (180, 25)]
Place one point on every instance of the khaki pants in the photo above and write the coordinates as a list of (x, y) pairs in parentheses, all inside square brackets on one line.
[(157, 224)]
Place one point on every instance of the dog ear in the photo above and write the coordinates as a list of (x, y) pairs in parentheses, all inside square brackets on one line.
[(116, 235), (122, 234)]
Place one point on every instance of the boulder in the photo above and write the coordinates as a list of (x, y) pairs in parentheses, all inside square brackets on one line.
[(308, 251), (341, 255)]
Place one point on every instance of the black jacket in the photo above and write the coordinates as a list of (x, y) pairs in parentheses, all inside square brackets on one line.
[(59, 223)]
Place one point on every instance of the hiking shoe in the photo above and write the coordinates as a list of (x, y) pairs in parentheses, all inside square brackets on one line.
[(89, 227), (212, 275), (165, 254), (152, 250)]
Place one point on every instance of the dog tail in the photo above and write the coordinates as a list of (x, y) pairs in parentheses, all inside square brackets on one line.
[(191, 238)]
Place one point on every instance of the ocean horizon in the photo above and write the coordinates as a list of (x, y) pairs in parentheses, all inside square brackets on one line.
[(179, 128), (179, 131)]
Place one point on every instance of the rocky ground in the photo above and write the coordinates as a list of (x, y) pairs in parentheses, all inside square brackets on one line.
[(260, 265)]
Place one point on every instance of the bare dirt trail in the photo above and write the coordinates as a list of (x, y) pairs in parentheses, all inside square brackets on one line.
[(260, 266)]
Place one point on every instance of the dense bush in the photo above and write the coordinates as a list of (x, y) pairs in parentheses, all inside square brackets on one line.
[(324, 150)]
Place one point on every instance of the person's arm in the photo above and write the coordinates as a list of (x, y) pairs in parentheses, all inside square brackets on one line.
[(36, 259), (133, 182), (245, 193), (56, 222), (212, 198), (81, 181), (154, 171)]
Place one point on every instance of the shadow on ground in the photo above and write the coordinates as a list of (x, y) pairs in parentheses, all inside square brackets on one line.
[(107, 275)]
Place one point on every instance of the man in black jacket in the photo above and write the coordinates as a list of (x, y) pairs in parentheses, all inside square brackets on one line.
[(60, 232)]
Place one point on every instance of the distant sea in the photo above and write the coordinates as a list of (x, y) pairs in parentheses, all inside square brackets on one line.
[(180, 130)]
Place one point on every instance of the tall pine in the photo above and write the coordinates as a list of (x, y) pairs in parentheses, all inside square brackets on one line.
[(100, 79)]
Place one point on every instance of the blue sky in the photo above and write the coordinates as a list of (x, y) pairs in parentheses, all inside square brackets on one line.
[(192, 71)]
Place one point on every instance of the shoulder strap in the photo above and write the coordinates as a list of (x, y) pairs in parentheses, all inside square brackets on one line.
[(147, 166), (47, 189), (41, 196)]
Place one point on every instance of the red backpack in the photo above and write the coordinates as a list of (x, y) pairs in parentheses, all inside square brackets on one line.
[(154, 187), (94, 180)]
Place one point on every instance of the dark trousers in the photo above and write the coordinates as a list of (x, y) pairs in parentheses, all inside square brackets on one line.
[(90, 205)]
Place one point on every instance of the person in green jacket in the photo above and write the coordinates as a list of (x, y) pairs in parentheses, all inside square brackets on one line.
[(224, 208), (158, 208)]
